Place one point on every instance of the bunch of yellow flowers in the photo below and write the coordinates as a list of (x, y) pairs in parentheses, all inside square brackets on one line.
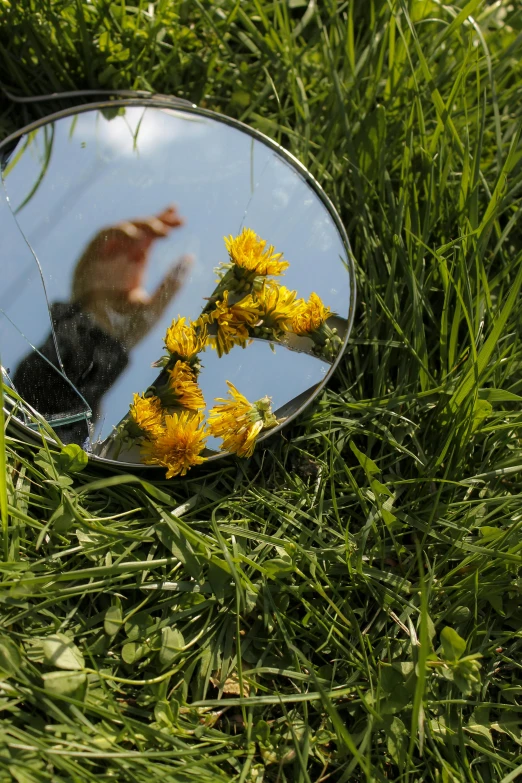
[(167, 420), (247, 304)]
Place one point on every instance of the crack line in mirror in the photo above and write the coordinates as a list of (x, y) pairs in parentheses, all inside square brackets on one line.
[(40, 232), (27, 410), (253, 186), (6, 374), (40, 270), (62, 419)]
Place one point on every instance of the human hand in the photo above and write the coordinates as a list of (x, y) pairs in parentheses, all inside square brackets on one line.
[(116, 259), (108, 280)]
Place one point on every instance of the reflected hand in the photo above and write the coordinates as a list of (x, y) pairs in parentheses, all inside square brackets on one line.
[(108, 280)]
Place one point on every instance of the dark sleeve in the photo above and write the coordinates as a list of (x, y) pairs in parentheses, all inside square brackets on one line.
[(92, 361)]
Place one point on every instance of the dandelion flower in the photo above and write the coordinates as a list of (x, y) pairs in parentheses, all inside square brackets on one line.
[(201, 324), (183, 382), (178, 447), (278, 306), (310, 316), (181, 388), (146, 416), (239, 421), (250, 253), (184, 341), (246, 311), (232, 322)]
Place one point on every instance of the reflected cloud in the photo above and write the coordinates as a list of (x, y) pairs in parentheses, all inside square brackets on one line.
[(322, 235), (280, 198), (144, 131)]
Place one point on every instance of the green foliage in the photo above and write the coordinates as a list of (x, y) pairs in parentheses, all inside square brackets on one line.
[(345, 606)]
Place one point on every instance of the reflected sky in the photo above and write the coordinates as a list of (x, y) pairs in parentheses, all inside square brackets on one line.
[(93, 172)]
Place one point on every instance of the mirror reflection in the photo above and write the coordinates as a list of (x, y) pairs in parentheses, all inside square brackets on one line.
[(174, 286)]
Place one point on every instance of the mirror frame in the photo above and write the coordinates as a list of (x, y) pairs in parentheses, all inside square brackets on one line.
[(164, 102)]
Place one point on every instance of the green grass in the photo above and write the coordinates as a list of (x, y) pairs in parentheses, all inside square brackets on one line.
[(360, 579)]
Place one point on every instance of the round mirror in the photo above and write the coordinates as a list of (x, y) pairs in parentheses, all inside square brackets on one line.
[(172, 280)]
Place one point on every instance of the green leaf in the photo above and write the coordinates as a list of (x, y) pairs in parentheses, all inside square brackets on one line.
[(466, 676), (390, 678), (45, 461), (60, 651), (171, 537), (498, 395), (495, 599), (250, 601), (453, 645), (483, 409), (371, 140), (163, 712), (10, 657), (431, 629), (396, 739), (510, 723), (241, 98), (131, 652), (64, 482), (104, 41), (62, 519), (72, 459), (278, 567), (113, 620), (365, 462), (261, 732), (480, 725), (172, 642), (379, 488), (24, 775), (475, 372), (72, 684), (460, 615), (121, 479), (389, 518), (139, 626), (219, 580), (398, 681), (488, 531)]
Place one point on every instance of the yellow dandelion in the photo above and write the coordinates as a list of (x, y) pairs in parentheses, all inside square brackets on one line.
[(178, 447), (201, 323), (227, 337), (278, 306), (238, 422), (246, 311), (233, 322), (310, 316), (248, 252), (146, 415), (182, 388), (184, 340)]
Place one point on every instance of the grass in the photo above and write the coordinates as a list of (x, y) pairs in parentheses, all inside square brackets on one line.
[(346, 605)]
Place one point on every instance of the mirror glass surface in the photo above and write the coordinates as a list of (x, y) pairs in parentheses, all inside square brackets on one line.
[(112, 224)]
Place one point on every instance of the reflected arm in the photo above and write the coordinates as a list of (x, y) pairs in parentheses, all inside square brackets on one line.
[(146, 310)]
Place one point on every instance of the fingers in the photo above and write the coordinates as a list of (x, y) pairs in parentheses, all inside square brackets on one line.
[(182, 267), (133, 238), (124, 230), (159, 225), (171, 217), (153, 227), (172, 281)]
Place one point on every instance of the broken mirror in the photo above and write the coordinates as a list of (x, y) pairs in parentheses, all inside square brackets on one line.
[(176, 286)]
